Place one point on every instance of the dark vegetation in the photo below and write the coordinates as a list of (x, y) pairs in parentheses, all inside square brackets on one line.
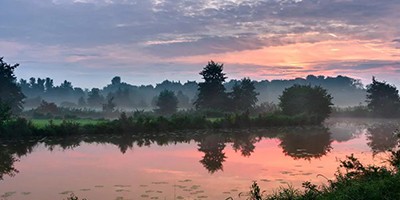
[(306, 100), (10, 94), (383, 99)]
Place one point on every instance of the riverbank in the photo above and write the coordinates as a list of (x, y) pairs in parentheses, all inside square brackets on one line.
[(142, 124)]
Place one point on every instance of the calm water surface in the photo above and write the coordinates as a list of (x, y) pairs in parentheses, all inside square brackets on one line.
[(216, 166)]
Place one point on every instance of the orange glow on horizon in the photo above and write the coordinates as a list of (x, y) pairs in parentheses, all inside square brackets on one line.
[(301, 59)]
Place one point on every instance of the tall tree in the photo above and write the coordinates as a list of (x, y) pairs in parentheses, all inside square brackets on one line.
[(383, 99), (212, 91), (167, 103), (243, 95), (10, 92), (314, 102)]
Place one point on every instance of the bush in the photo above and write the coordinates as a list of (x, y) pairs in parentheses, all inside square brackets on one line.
[(17, 128), (313, 102)]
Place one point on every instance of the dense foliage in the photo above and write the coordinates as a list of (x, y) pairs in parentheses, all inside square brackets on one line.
[(314, 102), (383, 99), (243, 96), (10, 93)]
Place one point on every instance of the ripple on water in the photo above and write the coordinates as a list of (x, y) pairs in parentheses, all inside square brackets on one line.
[(8, 194), (66, 192)]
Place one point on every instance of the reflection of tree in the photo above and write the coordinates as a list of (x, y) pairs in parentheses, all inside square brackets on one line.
[(7, 160), (213, 147), (381, 137), (68, 142), (124, 143), (244, 143), (343, 132), (10, 153), (306, 143)]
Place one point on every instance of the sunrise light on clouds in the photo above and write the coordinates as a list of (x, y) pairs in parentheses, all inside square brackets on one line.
[(148, 41)]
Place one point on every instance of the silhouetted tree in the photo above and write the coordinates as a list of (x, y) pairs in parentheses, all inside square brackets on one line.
[(49, 84), (306, 100), (66, 85), (116, 80), (383, 99), (243, 95), (95, 99), (212, 91), (10, 92), (167, 103)]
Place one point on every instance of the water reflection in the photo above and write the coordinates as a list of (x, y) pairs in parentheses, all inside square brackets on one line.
[(245, 143), (212, 147), (10, 153), (298, 143), (306, 143), (382, 137), (7, 163)]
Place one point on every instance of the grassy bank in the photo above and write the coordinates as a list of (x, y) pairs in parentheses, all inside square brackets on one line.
[(42, 123), (143, 124)]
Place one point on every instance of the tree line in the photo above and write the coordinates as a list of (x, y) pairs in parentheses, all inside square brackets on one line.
[(128, 97), (211, 94)]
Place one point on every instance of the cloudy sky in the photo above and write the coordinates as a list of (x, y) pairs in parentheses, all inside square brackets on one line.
[(147, 41)]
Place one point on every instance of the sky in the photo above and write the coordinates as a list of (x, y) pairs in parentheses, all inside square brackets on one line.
[(89, 42)]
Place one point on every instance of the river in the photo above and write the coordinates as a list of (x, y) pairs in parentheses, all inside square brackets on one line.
[(211, 165)]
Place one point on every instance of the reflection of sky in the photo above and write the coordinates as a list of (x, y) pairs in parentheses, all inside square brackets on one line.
[(90, 41), (46, 174)]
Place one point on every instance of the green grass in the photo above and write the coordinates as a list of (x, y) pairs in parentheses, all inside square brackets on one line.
[(214, 119), (41, 123)]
